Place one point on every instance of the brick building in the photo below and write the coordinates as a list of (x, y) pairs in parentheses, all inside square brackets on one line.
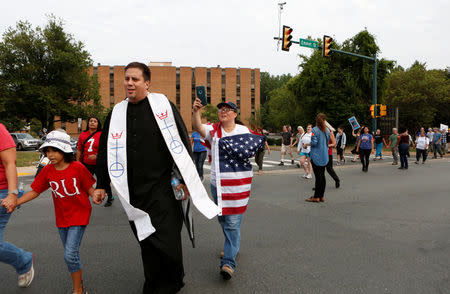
[(239, 85)]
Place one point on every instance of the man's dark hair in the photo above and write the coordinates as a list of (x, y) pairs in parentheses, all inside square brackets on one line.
[(145, 70)]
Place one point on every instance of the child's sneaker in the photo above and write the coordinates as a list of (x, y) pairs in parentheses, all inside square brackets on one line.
[(25, 279)]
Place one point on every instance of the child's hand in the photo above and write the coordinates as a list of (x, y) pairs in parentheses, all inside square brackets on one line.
[(98, 196), (10, 203)]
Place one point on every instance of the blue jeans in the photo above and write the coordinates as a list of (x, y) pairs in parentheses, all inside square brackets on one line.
[(20, 259), (231, 226), (199, 160), (437, 148), (71, 239), (403, 150), (379, 148)]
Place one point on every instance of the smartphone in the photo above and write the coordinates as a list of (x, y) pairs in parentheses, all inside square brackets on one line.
[(201, 94)]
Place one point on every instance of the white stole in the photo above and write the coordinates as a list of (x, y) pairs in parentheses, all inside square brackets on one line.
[(117, 162)]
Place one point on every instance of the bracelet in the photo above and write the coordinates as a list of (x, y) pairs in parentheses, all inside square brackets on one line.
[(13, 192)]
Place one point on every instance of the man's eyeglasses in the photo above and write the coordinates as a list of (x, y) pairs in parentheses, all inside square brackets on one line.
[(225, 109)]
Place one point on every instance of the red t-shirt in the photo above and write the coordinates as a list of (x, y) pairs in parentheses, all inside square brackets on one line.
[(91, 146), (69, 189), (6, 142), (330, 149)]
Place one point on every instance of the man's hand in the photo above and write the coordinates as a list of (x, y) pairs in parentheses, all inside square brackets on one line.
[(99, 196), (197, 105), (185, 190), (10, 202)]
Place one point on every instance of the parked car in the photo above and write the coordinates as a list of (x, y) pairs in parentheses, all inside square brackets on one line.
[(25, 141)]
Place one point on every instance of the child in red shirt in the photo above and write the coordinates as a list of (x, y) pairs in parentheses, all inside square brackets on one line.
[(71, 184)]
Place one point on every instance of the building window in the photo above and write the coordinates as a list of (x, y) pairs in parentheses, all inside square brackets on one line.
[(193, 85), (238, 86), (178, 99), (111, 85), (208, 85), (253, 89), (223, 85)]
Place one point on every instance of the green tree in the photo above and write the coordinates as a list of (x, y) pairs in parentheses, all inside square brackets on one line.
[(339, 86), (269, 83), (44, 73), (283, 107), (422, 96), (210, 113)]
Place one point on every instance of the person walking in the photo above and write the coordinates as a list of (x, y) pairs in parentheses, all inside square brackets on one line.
[(444, 141), (87, 149), (331, 145), (143, 146), (448, 140), (232, 144), (21, 260), (422, 143), (379, 143), (393, 144), (365, 148), (403, 148), (71, 185), (357, 135), (430, 136), (437, 143), (298, 135), (319, 157), (286, 145), (341, 141), (305, 148), (199, 152), (259, 156)]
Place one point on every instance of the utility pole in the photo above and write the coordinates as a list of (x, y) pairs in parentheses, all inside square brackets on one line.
[(280, 10), (374, 84)]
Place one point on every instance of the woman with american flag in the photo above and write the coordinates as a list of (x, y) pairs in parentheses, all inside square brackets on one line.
[(232, 144)]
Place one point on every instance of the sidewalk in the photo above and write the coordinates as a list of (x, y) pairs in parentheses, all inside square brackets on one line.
[(26, 171)]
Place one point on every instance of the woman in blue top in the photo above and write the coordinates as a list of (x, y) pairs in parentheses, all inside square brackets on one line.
[(319, 156), (365, 147), (199, 153)]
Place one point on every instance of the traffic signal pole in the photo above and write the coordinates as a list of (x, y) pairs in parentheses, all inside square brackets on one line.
[(326, 50), (374, 91)]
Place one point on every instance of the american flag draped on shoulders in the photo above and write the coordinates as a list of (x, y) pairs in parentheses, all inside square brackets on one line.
[(234, 172)]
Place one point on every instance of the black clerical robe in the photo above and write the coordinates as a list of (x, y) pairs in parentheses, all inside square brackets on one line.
[(149, 170)]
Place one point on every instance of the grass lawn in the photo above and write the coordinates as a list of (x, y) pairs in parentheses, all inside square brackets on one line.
[(27, 158)]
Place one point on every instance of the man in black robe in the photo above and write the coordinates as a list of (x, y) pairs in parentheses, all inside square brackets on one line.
[(149, 173)]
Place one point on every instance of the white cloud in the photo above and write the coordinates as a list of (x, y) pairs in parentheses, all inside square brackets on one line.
[(240, 33)]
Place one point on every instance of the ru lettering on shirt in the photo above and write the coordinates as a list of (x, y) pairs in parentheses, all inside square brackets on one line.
[(59, 189)]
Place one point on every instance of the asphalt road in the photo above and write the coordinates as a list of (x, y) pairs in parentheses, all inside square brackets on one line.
[(385, 231)]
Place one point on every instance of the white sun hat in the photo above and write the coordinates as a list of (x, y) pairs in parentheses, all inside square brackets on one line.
[(58, 140)]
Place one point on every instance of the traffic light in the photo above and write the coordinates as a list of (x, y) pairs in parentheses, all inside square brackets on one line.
[(286, 38), (372, 111), (326, 47), (383, 110)]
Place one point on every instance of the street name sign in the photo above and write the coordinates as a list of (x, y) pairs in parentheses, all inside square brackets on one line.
[(309, 43)]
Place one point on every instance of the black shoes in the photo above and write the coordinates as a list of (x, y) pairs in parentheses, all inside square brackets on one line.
[(108, 203), (338, 184), (281, 164)]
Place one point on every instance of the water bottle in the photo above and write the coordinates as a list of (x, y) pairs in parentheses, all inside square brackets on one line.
[(20, 190), (179, 194)]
